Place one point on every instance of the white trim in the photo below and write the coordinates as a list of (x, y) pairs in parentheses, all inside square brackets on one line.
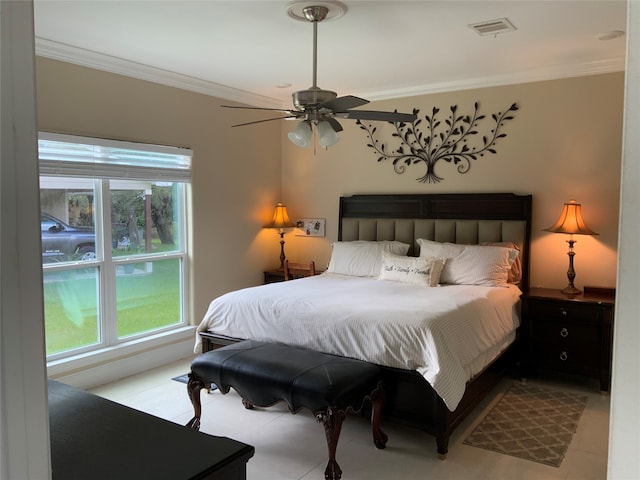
[(25, 452), (87, 58), (525, 76), (624, 423), (96, 368)]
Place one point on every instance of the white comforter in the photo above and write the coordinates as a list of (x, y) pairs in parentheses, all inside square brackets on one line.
[(448, 333)]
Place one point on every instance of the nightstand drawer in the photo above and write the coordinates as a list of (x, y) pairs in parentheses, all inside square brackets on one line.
[(564, 311), (586, 336), (567, 359)]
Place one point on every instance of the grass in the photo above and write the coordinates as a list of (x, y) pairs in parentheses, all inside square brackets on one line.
[(145, 301)]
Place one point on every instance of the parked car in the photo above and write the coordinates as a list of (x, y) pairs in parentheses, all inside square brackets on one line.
[(62, 242)]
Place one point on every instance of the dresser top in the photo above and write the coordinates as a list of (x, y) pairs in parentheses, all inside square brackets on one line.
[(605, 296)]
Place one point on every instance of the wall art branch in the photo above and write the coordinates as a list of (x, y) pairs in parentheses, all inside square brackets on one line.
[(430, 140)]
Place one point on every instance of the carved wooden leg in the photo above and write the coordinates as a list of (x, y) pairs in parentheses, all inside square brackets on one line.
[(332, 421), (378, 398), (194, 386)]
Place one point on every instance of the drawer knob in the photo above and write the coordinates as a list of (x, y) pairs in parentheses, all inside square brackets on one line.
[(563, 356), (564, 332)]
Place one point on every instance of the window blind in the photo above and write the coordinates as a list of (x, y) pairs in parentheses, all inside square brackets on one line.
[(73, 156)]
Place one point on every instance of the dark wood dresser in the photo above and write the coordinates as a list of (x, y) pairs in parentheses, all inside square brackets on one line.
[(92, 437), (568, 333)]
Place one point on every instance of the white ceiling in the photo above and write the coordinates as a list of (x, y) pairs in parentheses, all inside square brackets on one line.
[(246, 50)]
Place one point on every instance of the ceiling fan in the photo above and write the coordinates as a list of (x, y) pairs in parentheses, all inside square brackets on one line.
[(320, 108)]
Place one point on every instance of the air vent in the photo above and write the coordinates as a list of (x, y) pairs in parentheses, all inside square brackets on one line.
[(493, 27)]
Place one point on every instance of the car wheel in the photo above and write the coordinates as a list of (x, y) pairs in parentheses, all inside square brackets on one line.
[(86, 253)]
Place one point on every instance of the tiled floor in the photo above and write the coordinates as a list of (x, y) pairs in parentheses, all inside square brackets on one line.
[(292, 447)]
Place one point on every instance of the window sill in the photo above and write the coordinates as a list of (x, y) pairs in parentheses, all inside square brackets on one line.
[(91, 369)]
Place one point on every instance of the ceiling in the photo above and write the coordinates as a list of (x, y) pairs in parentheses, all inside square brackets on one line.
[(253, 52)]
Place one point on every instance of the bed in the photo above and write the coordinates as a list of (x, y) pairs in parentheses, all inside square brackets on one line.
[(434, 377)]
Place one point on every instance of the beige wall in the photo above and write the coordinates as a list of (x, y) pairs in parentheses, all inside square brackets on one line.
[(565, 142), (236, 172)]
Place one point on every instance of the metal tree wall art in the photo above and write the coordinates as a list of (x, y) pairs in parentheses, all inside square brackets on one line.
[(430, 140)]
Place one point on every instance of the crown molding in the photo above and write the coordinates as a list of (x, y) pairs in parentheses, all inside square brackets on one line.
[(524, 76), (87, 58)]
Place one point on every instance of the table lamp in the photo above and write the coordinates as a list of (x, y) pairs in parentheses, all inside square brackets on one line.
[(571, 222), (281, 221)]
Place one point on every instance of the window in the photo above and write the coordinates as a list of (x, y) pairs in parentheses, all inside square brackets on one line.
[(113, 229)]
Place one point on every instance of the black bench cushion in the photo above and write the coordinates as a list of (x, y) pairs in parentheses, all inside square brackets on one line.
[(265, 373)]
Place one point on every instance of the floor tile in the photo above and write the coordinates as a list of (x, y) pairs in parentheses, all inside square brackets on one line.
[(293, 447)]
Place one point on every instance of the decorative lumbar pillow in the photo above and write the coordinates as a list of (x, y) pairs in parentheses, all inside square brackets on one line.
[(471, 264), (362, 258), (413, 270)]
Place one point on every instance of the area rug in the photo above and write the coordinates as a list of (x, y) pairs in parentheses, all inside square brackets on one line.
[(185, 379), (530, 422)]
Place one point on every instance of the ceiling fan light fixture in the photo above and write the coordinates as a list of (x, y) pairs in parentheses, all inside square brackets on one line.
[(301, 135), (327, 136)]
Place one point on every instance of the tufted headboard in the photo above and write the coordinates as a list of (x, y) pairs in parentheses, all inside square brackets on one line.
[(468, 218)]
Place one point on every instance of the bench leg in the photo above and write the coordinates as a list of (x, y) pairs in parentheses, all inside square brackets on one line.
[(194, 386), (332, 421), (378, 398)]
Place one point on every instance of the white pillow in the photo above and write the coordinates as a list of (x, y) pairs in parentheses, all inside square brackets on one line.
[(362, 258), (413, 270), (515, 274), (429, 248), (471, 264)]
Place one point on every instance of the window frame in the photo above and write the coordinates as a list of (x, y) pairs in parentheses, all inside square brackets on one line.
[(105, 263)]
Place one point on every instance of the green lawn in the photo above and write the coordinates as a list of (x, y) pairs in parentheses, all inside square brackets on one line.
[(146, 300)]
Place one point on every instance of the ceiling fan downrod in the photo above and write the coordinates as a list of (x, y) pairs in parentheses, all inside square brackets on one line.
[(315, 14), (314, 95)]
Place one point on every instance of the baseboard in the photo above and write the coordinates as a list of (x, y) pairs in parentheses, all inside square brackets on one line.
[(105, 367)]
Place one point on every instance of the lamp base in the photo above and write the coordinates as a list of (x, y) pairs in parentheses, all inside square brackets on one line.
[(571, 290)]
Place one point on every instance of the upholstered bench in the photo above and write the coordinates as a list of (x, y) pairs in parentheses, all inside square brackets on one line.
[(266, 373)]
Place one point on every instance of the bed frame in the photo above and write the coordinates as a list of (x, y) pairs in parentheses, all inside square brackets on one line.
[(458, 218)]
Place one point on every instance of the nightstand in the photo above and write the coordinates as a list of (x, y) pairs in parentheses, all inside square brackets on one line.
[(568, 333), (273, 276)]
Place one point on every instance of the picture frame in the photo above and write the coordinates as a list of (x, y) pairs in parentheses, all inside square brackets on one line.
[(310, 227)]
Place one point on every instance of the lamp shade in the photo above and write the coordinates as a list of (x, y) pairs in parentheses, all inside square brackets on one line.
[(301, 135), (327, 136), (280, 218), (571, 221)]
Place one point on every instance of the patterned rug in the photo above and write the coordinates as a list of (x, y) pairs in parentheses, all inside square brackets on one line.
[(531, 423)]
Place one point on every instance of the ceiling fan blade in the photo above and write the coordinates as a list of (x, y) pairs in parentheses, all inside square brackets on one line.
[(261, 121), (342, 104), (258, 108), (394, 117), (334, 124)]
